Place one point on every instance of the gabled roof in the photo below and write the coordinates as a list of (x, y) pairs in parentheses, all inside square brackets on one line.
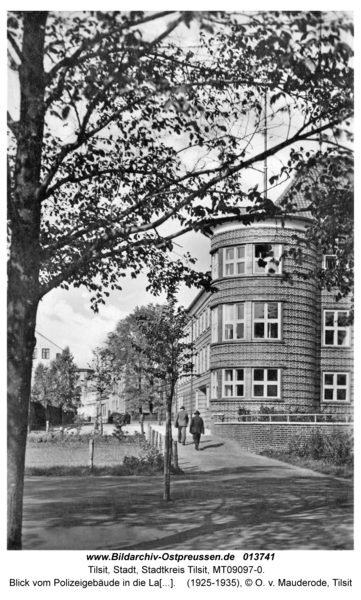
[(296, 192)]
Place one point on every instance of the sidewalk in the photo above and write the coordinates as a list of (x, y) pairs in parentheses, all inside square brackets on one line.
[(227, 499)]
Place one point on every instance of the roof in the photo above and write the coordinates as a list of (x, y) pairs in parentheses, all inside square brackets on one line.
[(297, 193)]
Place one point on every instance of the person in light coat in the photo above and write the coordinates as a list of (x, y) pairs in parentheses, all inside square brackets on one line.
[(196, 428), (181, 423)]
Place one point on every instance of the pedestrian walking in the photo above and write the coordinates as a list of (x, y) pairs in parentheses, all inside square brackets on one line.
[(181, 423), (196, 428)]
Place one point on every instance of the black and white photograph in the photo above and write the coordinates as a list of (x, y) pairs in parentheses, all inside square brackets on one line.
[(180, 192)]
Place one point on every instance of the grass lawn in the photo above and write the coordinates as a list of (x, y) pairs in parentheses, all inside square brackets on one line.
[(62, 455), (321, 466), (70, 455)]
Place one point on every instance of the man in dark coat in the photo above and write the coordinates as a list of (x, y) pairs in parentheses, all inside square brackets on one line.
[(181, 422), (196, 428)]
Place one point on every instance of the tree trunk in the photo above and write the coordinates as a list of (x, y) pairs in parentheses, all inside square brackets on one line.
[(21, 323), (23, 266), (168, 449)]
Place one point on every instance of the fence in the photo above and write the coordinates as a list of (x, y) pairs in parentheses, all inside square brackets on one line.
[(157, 440), (286, 418), (262, 432)]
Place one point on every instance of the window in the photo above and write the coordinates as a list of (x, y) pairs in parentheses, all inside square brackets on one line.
[(266, 383), (233, 383), (208, 357), (35, 353), (266, 320), (104, 410), (58, 355), (215, 324), (197, 399), (336, 331), (329, 261), (214, 383), (207, 396), (45, 353), (266, 258), (233, 321), (215, 270), (335, 387), (234, 261)]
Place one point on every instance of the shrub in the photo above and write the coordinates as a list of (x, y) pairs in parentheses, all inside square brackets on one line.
[(78, 422), (336, 449), (118, 421)]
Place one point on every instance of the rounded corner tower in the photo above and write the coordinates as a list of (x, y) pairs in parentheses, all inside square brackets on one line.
[(263, 343)]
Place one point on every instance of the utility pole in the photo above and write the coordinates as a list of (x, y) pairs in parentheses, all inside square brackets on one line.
[(265, 177)]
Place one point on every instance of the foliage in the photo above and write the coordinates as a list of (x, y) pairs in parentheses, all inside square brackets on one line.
[(336, 448), (56, 384), (100, 380), (126, 349), (327, 187), (143, 351), (79, 422), (115, 94), (118, 432)]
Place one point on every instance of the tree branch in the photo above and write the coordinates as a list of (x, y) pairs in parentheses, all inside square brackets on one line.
[(69, 61), (15, 46)]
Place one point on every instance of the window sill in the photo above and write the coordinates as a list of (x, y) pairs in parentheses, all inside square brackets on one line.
[(333, 402), (336, 347)]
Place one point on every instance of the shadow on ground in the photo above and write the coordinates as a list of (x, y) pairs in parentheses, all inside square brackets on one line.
[(243, 507)]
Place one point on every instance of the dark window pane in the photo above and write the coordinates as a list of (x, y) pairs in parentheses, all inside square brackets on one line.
[(329, 319), (328, 395), (342, 319), (272, 310), (271, 391), (258, 374), (329, 338), (240, 268), (341, 394), (240, 252), (239, 390), (240, 374), (272, 375), (330, 262), (258, 390), (328, 379), (341, 338), (259, 310), (263, 250), (341, 379), (259, 330), (273, 330), (240, 331)]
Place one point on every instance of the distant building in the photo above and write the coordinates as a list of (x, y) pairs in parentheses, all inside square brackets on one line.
[(45, 350)]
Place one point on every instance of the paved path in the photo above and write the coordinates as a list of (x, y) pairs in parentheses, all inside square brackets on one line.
[(227, 499)]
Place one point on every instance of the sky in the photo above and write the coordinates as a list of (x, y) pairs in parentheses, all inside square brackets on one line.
[(65, 317)]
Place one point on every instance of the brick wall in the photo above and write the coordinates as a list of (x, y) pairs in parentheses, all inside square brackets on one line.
[(256, 437)]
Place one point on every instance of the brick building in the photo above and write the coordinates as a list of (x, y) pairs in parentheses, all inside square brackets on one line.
[(259, 341)]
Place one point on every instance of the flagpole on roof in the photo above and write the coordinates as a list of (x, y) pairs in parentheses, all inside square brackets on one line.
[(265, 145)]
